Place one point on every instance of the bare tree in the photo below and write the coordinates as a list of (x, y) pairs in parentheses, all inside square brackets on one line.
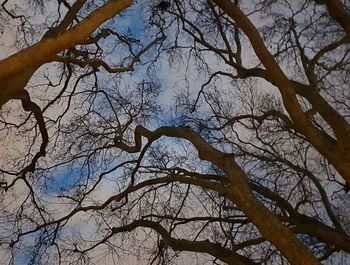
[(251, 166)]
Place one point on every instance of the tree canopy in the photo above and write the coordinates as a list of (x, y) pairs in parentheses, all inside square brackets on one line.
[(175, 132)]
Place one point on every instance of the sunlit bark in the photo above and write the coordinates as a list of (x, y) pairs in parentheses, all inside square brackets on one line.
[(16, 70), (335, 150)]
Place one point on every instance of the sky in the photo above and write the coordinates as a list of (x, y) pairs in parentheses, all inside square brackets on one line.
[(65, 177)]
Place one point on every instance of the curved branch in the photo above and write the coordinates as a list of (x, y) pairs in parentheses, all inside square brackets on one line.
[(46, 49), (28, 105), (334, 151), (216, 250), (96, 63), (338, 13), (238, 191)]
